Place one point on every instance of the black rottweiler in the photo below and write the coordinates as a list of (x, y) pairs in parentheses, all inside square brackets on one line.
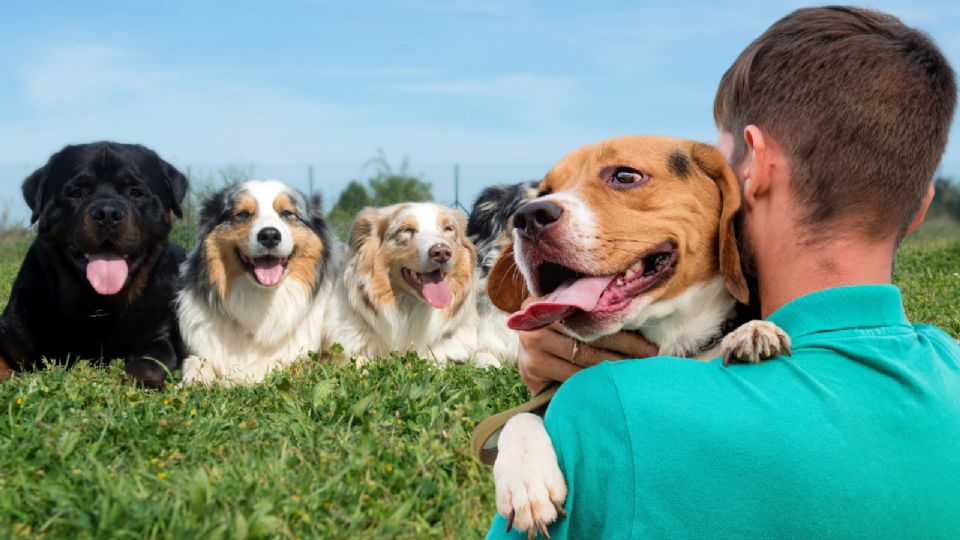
[(99, 280)]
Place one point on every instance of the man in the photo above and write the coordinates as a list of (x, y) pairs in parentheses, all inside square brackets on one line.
[(835, 120)]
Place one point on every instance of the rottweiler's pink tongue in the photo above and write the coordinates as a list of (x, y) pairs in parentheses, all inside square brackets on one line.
[(107, 272), (583, 294), (435, 289), (269, 270)]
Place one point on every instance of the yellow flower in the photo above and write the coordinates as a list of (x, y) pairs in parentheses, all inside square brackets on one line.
[(388, 468), (162, 476), (19, 401), (193, 412)]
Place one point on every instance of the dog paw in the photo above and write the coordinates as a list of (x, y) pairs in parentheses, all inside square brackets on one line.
[(486, 360), (755, 342), (530, 486)]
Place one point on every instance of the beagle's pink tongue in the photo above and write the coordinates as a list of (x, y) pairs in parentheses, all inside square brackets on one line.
[(435, 289), (107, 272), (577, 294), (269, 270)]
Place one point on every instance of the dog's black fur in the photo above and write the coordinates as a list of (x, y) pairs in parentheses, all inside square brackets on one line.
[(54, 313), (490, 219)]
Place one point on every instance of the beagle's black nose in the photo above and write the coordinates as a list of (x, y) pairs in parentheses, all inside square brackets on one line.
[(440, 253), (535, 217), (269, 237)]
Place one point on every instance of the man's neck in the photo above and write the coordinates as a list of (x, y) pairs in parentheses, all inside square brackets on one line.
[(799, 269)]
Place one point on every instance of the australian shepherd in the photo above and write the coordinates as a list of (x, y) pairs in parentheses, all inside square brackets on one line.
[(410, 284), (257, 284), (490, 228)]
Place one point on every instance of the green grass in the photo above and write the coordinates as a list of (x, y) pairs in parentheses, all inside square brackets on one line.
[(319, 451)]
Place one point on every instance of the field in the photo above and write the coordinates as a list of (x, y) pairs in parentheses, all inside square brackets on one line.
[(321, 451)]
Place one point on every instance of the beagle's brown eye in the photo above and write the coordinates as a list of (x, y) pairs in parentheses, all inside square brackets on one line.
[(627, 177), (75, 193)]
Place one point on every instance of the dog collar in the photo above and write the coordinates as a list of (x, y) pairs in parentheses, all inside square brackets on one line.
[(99, 314)]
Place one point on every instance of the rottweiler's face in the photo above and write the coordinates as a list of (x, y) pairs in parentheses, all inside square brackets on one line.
[(104, 210)]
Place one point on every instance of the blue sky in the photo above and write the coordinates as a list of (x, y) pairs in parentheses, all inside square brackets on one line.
[(504, 88)]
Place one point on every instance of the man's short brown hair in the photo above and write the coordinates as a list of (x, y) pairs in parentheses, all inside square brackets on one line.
[(860, 103)]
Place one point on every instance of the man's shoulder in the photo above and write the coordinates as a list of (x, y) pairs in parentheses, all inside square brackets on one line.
[(938, 336), (628, 394)]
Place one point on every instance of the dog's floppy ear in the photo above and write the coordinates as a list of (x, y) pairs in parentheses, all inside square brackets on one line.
[(363, 227), (315, 218), (462, 235), (505, 285), (213, 208), (712, 162), (33, 188), (176, 187)]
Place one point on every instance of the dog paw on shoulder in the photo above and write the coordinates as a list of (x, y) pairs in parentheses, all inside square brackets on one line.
[(529, 483), (754, 342)]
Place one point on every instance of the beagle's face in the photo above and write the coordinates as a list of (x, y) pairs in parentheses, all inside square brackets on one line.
[(417, 249), (620, 226)]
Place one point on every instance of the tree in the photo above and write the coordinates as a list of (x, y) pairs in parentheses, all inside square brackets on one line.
[(353, 198), (385, 187)]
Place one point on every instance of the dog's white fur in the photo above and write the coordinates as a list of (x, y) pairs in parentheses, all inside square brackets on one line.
[(410, 323), (255, 329)]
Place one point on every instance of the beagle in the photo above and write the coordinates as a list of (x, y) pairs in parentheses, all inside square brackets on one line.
[(632, 233)]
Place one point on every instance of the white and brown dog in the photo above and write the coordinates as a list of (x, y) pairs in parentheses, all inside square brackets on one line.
[(409, 284), (257, 285), (633, 233)]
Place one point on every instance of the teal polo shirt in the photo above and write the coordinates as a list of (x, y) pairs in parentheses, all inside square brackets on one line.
[(857, 435)]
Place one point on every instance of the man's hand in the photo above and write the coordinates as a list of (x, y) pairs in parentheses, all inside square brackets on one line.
[(549, 354)]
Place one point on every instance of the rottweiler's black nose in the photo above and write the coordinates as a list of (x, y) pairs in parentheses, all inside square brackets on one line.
[(534, 217), (107, 214), (269, 237)]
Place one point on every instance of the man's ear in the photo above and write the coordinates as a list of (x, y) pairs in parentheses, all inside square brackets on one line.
[(364, 227), (505, 285), (176, 186), (33, 188), (917, 220), (712, 162)]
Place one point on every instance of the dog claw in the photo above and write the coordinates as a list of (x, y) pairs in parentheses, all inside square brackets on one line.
[(754, 342), (560, 511), (513, 514), (543, 529)]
